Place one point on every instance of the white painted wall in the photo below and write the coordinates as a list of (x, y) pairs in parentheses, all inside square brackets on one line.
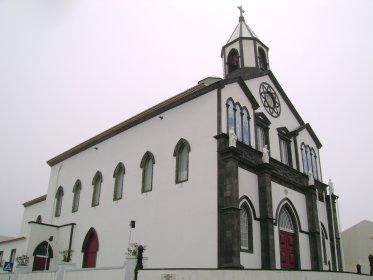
[(39, 233), (286, 117), (249, 53), (357, 245), (7, 247), (172, 219), (30, 213), (248, 186), (248, 274)]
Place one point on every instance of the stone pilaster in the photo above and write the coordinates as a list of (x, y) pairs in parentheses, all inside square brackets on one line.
[(335, 243), (266, 217), (314, 228), (228, 207)]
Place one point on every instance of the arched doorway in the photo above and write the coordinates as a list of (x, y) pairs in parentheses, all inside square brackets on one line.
[(90, 248), (42, 256), (288, 244)]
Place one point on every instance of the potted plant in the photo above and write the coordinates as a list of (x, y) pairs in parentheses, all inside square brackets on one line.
[(66, 255), (22, 260), (133, 249)]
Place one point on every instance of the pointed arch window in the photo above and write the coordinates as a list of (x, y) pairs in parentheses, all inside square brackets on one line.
[(119, 178), (304, 158), (246, 126), (309, 159), (262, 57), (233, 60), (96, 182), (59, 196), (147, 163), (90, 248), (314, 164), (238, 119), (239, 122), (181, 152), (38, 219), (230, 115), (285, 221), (76, 190), (246, 229)]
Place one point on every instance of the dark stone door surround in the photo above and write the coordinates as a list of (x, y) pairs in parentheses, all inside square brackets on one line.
[(229, 160)]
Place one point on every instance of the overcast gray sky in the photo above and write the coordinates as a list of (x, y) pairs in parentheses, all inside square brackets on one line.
[(70, 69)]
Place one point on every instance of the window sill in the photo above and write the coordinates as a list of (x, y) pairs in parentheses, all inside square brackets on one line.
[(247, 251)]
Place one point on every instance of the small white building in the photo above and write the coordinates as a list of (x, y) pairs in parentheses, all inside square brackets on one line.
[(200, 198), (357, 244)]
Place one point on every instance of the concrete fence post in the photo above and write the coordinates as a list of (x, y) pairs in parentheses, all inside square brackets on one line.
[(62, 267)]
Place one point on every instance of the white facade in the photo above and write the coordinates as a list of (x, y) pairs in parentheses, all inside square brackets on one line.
[(196, 223), (357, 244)]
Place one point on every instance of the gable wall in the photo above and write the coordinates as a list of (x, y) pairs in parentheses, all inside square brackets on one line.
[(286, 117), (172, 219)]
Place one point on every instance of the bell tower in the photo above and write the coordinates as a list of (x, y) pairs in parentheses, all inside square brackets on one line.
[(244, 53)]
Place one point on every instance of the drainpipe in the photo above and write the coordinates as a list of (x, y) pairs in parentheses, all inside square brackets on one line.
[(70, 242)]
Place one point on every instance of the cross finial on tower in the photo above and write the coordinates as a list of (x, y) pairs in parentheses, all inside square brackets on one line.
[(241, 13)]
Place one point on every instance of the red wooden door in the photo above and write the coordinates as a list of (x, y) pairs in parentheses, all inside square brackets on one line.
[(288, 250), (90, 253), (39, 263)]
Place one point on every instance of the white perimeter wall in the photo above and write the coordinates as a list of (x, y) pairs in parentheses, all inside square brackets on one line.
[(171, 220), (19, 245), (357, 245), (247, 274)]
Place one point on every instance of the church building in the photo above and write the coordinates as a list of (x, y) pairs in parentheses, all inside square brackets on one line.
[(223, 175)]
